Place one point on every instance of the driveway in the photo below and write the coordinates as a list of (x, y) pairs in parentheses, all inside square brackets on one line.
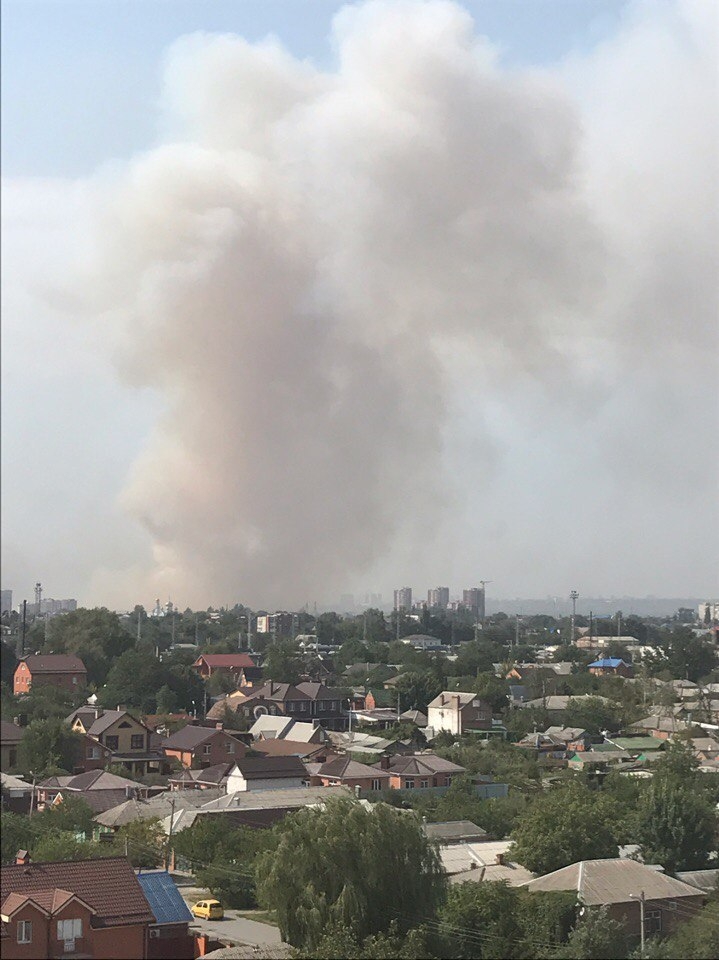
[(233, 928)]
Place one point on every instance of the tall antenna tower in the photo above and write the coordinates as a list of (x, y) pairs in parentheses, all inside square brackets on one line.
[(573, 596), (38, 598)]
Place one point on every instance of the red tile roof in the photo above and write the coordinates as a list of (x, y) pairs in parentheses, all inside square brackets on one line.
[(108, 885)]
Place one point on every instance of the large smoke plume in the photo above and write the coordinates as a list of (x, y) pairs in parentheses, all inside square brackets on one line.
[(326, 273)]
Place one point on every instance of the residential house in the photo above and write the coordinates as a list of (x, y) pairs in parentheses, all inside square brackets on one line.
[(304, 701), (196, 746), (158, 807), (543, 745), (343, 771), (16, 794), (169, 938), (269, 727), (419, 772), (663, 728), (422, 641), (307, 752), (616, 885), (451, 832), (414, 716), (266, 773), (611, 667), (131, 743), (10, 736), (99, 789), (574, 738), (204, 778), (459, 713), (239, 666), (62, 670), (82, 908)]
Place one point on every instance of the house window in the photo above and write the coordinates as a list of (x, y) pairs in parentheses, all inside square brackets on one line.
[(230, 748), (409, 784), (74, 680), (652, 922), (125, 725), (303, 706), (112, 743), (24, 931), (207, 749), (93, 753), (424, 784), (376, 785), (290, 706), (137, 741), (69, 929)]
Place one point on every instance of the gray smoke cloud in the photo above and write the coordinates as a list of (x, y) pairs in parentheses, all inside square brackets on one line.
[(346, 283)]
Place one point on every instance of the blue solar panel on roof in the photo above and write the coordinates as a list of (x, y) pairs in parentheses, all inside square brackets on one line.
[(164, 898)]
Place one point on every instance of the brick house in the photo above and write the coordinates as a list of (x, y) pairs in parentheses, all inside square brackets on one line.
[(130, 742), (305, 701), (615, 884), (458, 713), (99, 789), (267, 773), (418, 772), (53, 669), (88, 908), (231, 664), (169, 938), (197, 747), (342, 771), (10, 736)]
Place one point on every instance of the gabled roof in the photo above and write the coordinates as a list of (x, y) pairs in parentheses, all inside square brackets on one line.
[(108, 885), (454, 830), (450, 698), (344, 768), (53, 663), (11, 733), (599, 882), (261, 768), (90, 780), (189, 738), (164, 898), (211, 775), (288, 748), (610, 663), (232, 660), (420, 765), (566, 733)]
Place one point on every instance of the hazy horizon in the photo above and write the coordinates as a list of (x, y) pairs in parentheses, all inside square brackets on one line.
[(366, 294)]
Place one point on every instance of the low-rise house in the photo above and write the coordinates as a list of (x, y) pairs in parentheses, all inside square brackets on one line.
[(423, 641), (268, 727), (574, 738), (83, 908), (459, 713), (157, 807), (705, 880), (419, 772), (62, 670), (204, 778), (233, 665), (267, 773), (304, 701), (99, 789), (416, 717), (343, 771), (307, 752), (616, 884), (663, 728), (611, 667), (451, 832), (169, 937), (196, 746), (130, 742), (380, 717), (10, 736), (16, 794), (482, 860), (543, 745)]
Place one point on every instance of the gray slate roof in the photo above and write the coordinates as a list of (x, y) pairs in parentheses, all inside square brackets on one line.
[(600, 882)]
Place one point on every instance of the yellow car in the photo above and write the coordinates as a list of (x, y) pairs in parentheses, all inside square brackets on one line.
[(208, 910)]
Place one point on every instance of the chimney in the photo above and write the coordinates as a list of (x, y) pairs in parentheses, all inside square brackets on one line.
[(122, 706), (272, 689), (499, 859), (98, 712), (129, 792), (384, 762), (219, 726), (358, 790), (441, 702), (16, 721), (22, 857)]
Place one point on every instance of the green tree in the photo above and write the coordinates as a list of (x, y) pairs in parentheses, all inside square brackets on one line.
[(568, 824), (339, 943), (349, 865), (480, 920), (283, 662), (417, 688), (97, 636), (15, 834), (676, 818), (690, 657), (593, 714), (133, 680), (142, 842), (494, 690), (697, 939), (48, 744), (73, 815), (167, 700), (63, 845), (596, 937), (8, 663)]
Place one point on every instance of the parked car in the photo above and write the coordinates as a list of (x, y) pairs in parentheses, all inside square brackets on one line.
[(208, 910)]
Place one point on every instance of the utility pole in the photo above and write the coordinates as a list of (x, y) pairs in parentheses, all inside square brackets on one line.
[(641, 898), (32, 795), (573, 596), (516, 630), (24, 627), (619, 624), (169, 834)]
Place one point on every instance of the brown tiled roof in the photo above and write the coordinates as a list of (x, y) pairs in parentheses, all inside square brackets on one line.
[(54, 663), (108, 885), (236, 660), (421, 765), (214, 774), (287, 748), (189, 738), (259, 768), (106, 720), (345, 768)]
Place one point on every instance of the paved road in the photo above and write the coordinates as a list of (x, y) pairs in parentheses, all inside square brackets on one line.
[(234, 927)]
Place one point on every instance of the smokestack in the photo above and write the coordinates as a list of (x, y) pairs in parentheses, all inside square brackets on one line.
[(384, 762)]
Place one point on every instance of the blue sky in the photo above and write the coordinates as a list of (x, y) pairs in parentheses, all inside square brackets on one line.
[(80, 79)]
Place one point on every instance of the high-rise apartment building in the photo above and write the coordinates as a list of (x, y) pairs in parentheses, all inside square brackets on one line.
[(438, 598), (280, 624), (403, 599), (473, 599)]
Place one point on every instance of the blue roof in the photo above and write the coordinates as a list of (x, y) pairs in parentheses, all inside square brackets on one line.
[(164, 898), (608, 662)]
